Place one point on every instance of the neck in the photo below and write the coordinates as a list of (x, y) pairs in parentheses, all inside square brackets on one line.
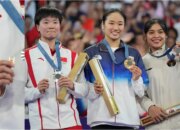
[(113, 43), (51, 43)]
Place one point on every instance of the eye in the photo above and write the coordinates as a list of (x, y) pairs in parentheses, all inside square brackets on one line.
[(160, 32), (45, 22), (151, 32), (111, 23)]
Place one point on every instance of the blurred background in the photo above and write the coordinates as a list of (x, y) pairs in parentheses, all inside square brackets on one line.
[(81, 25)]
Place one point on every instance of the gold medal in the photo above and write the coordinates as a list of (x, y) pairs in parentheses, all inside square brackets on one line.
[(129, 62)]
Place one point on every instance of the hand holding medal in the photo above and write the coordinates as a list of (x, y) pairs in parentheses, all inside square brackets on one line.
[(136, 72), (130, 64)]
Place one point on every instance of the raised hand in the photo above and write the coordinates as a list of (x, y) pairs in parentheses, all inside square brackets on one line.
[(136, 72)]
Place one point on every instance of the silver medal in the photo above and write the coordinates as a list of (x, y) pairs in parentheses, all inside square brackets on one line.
[(57, 75)]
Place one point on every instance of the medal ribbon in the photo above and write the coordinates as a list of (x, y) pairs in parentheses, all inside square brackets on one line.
[(166, 52), (48, 58), (111, 52), (170, 57)]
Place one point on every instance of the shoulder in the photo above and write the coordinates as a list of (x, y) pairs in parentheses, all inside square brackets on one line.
[(147, 56), (91, 48), (31, 48), (133, 51), (68, 50)]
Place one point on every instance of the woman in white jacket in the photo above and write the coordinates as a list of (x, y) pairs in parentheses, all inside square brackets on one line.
[(164, 77), (46, 61)]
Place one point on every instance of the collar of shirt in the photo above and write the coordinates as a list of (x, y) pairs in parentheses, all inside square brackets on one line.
[(159, 51), (102, 47)]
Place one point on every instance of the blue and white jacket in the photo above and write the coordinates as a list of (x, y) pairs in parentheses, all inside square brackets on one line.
[(123, 88)]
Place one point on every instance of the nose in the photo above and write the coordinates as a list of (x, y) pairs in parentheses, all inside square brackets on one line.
[(51, 25), (156, 34), (116, 27)]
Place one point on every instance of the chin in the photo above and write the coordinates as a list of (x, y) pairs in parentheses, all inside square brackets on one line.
[(115, 38), (51, 38)]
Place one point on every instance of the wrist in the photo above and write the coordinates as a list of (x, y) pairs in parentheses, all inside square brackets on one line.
[(72, 87), (151, 107)]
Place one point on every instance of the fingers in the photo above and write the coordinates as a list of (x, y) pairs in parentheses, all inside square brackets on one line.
[(157, 114), (5, 78), (6, 63), (98, 88), (160, 116), (6, 73), (43, 85), (4, 82), (136, 71), (163, 113), (178, 44), (65, 82)]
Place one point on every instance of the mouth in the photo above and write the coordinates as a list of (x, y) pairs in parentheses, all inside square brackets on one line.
[(51, 31), (115, 33), (156, 40)]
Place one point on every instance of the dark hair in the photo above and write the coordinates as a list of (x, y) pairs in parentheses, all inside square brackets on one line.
[(174, 30), (108, 12), (45, 12), (151, 22)]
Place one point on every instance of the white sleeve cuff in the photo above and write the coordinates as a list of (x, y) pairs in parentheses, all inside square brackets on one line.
[(146, 103), (138, 87), (32, 94), (78, 90)]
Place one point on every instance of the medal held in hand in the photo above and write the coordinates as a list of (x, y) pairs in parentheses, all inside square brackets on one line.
[(57, 75), (129, 62)]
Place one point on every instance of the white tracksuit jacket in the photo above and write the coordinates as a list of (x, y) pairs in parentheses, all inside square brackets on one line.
[(164, 88), (44, 110)]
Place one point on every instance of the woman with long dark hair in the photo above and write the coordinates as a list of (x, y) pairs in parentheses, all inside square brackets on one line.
[(163, 68)]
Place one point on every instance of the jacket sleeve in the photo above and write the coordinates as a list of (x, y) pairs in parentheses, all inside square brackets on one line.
[(32, 94), (83, 89), (138, 87), (145, 102)]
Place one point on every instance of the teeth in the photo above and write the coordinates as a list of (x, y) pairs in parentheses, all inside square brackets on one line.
[(156, 40)]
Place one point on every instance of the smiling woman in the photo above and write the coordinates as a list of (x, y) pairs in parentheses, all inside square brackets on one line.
[(163, 90), (156, 34), (47, 73), (125, 82)]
